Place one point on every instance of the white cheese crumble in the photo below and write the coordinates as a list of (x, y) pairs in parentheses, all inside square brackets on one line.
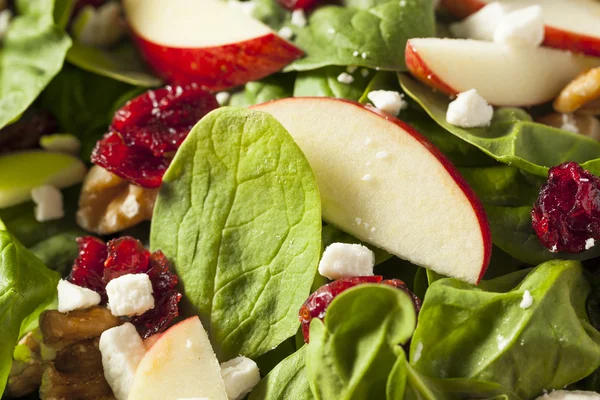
[(388, 101), (286, 33), (122, 350), (345, 78), (299, 18), (480, 25), (589, 243), (568, 123), (240, 375), (469, 110), (223, 97), (49, 203), (72, 297), (524, 27), (342, 260), (569, 395), (367, 177), (130, 295), (527, 300), (418, 351)]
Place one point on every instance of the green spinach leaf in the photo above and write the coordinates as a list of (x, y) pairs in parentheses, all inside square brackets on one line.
[(483, 333), (239, 214), (287, 380), (324, 82), (278, 86), (352, 352), (32, 53), (26, 285), (59, 251)]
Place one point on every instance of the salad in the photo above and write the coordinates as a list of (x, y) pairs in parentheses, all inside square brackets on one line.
[(299, 199)]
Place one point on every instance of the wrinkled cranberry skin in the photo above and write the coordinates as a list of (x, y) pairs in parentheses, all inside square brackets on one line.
[(567, 211), (88, 268), (147, 131), (298, 4), (316, 304), (126, 255)]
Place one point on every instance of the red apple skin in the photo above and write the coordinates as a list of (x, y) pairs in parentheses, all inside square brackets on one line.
[(448, 166), (420, 70), (222, 67)]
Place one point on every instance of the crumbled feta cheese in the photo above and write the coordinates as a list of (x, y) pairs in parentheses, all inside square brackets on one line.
[(418, 351), (223, 97), (364, 72), (568, 123), (299, 18), (382, 154), (49, 203), (130, 295), (480, 25), (60, 143), (346, 78), (101, 26), (569, 395), (388, 101), (524, 27), (469, 110), (72, 297), (122, 350), (286, 33), (342, 260), (589, 243), (240, 375), (351, 69), (527, 300), (367, 177)]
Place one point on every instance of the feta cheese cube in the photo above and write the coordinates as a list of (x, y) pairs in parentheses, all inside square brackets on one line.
[(72, 297), (480, 25), (299, 18), (388, 101), (341, 260), (589, 243), (122, 350), (286, 33), (527, 300), (346, 78), (240, 375), (223, 98), (49, 203), (130, 295), (524, 27), (469, 110), (569, 395)]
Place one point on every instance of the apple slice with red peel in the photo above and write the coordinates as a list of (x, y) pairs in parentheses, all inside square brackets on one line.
[(206, 42), (501, 74), (180, 364), (384, 183), (570, 24)]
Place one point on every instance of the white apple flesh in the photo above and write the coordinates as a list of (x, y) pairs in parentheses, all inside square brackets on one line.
[(206, 42), (503, 75), (180, 364), (384, 183)]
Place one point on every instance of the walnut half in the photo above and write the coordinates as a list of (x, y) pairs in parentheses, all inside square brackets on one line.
[(586, 125), (109, 204)]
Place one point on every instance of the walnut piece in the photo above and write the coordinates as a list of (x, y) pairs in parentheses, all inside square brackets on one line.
[(77, 385), (581, 94), (586, 125), (109, 204)]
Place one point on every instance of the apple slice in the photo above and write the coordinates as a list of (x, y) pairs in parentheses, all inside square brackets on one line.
[(570, 24), (385, 184), (181, 364), (501, 74), (207, 42)]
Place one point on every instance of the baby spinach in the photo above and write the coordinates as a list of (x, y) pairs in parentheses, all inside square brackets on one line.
[(32, 53), (512, 138), (352, 352), (26, 286), (373, 36), (273, 87), (324, 82), (239, 215), (58, 252), (482, 332)]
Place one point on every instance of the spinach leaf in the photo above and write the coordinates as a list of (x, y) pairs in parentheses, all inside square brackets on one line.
[(338, 35), (278, 86), (270, 13), (482, 333), (512, 138), (26, 285), (286, 381), (59, 251), (121, 63), (324, 82), (352, 352), (32, 53), (239, 214)]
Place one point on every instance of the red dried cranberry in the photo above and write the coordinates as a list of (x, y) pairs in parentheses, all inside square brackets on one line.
[(88, 268), (147, 131), (567, 211), (298, 4), (126, 255)]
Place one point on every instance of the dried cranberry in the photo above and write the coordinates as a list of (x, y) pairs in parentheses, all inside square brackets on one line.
[(126, 255), (298, 4), (88, 268), (567, 211), (316, 304), (147, 131)]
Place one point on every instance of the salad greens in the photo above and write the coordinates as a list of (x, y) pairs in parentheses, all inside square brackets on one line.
[(324, 82), (271, 88), (247, 221)]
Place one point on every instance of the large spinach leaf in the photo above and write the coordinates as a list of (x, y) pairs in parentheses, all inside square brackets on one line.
[(324, 82), (512, 138), (26, 285), (338, 35), (286, 381), (483, 333), (352, 352), (239, 214), (32, 52)]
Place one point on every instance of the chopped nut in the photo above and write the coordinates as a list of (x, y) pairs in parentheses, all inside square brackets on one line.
[(109, 204), (82, 356), (25, 377), (586, 125), (582, 90), (74, 386)]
